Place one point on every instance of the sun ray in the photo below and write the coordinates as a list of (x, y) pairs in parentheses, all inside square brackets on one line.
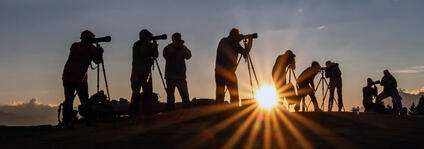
[(296, 133), (280, 140), (197, 140), (240, 131), (326, 134), (254, 131), (218, 127), (267, 131)]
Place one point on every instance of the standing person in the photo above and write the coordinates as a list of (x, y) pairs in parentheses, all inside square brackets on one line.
[(75, 73), (390, 89), (175, 70), (333, 72), (306, 83), (144, 54), (283, 64), (226, 65)]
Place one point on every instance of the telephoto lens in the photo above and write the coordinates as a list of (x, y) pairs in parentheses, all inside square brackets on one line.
[(251, 36), (159, 37), (101, 39)]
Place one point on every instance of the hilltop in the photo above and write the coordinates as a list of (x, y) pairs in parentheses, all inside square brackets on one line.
[(211, 127)]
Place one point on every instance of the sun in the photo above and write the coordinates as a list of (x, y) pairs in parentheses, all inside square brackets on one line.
[(267, 97)]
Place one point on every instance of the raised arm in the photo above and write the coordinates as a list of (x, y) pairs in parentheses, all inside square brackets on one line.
[(186, 52)]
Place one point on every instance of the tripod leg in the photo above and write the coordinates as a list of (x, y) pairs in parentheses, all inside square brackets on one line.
[(160, 73), (323, 99), (107, 86), (309, 104), (253, 69), (98, 79), (250, 79)]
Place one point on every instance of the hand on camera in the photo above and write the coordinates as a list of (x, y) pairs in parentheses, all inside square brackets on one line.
[(100, 50)]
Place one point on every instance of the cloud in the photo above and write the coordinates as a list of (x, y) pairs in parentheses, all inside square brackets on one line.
[(414, 69), (28, 113), (411, 96), (413, 91), (321, 27)]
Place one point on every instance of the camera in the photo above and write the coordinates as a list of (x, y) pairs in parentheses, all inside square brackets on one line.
[(376, 82), (159, 37), (101, 39), (250, 36)]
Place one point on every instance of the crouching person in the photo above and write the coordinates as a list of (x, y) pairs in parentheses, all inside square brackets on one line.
[(75, 73), (368, 93), (175, 70), (390, 90), (306, 83)]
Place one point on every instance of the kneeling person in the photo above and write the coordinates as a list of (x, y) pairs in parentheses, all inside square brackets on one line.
[(175, 70), (369, 92)]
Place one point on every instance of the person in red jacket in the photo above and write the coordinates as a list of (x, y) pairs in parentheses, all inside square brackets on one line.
[(175, 70), (75, 72)]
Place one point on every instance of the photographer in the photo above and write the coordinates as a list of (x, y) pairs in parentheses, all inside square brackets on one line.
[(75, 73), (333, 72), (390, 89), (282, 65), (368, 93), (175, 70), (226, 65), (144, 53), (306, 83)]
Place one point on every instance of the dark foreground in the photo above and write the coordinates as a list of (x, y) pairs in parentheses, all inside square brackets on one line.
[(212, 127)]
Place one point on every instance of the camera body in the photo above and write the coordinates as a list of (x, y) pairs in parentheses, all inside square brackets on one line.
[(250, 36), (376, 82), (101, 39), (159, 37)]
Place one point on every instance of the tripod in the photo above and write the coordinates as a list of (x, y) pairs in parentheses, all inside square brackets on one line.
[(160, 73), (104, 74), (324, 88), (251, 70), (291, 71)]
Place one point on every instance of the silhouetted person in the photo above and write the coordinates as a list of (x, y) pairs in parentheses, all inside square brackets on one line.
[(390, 89), (75, 73), (282, 65), (333, 72), (368, 93), (306, 83), (226, 65), (144, 54), (175, 70)]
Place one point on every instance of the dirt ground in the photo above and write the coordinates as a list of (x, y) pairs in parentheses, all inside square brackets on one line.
[(212, 127)]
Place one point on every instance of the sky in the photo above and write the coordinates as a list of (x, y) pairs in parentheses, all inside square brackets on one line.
[(363, 36)]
